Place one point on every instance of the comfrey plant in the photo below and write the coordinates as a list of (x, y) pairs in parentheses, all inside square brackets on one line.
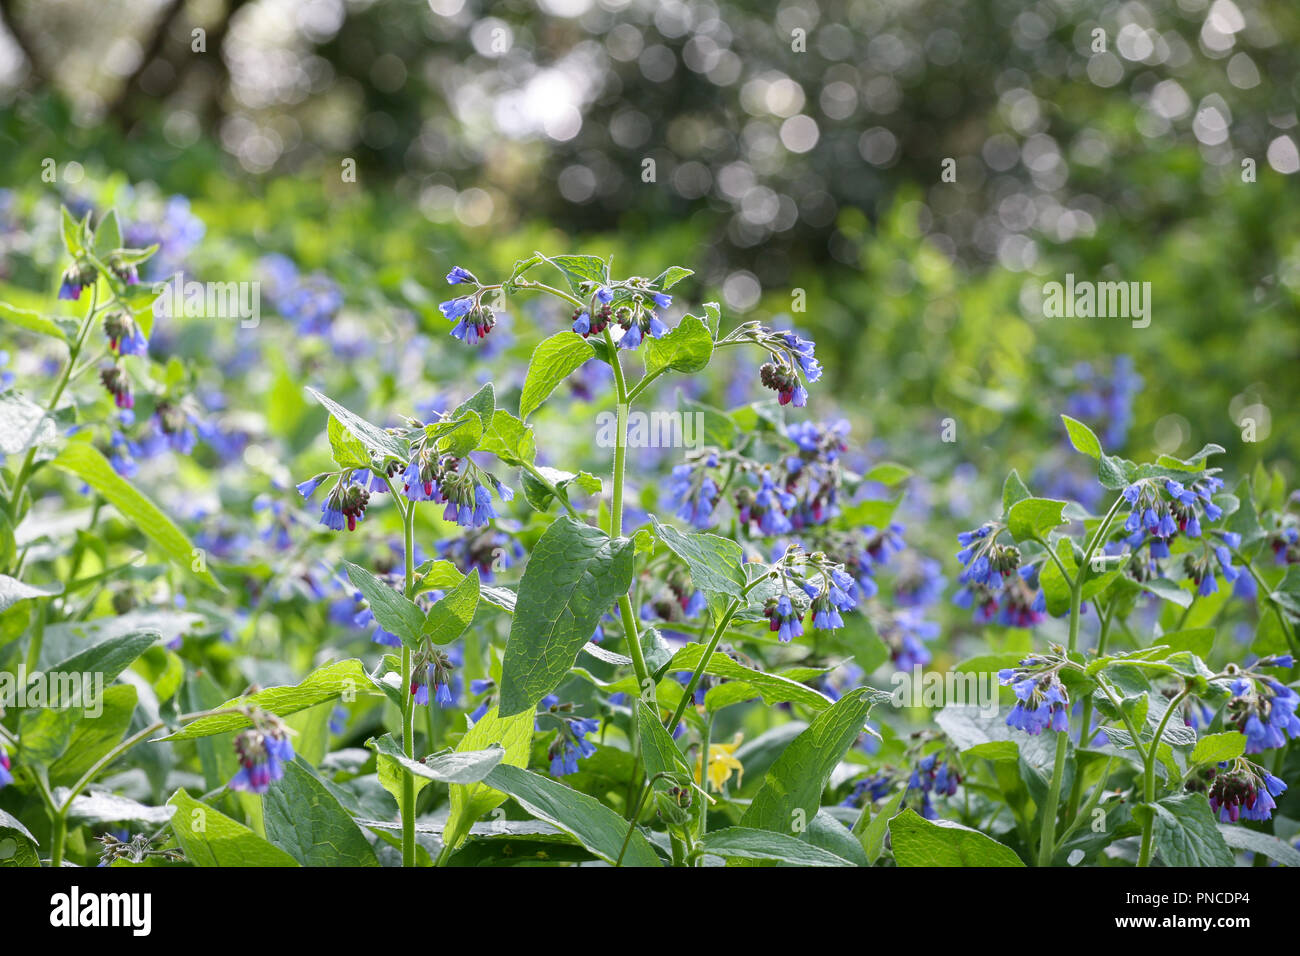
[(1139, 708), (597, 589)]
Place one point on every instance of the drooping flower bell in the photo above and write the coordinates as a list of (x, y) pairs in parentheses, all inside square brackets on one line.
[(124, 334), (6, 769), (116, 383), (474, 325), (783, 619), (588, 322), (571, 744), (345, 506), (75, 278), (432, 668), (783, 380), (1042, 702), (263, 750)]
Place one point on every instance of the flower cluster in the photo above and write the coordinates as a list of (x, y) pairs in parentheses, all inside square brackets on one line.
[(1042, 702), (1264, 709), (932, 777), (1156, 519), (993, 582), (693, 492), (1239, 790), (792, 362), (570, 744), (432, 668), (263, 750)]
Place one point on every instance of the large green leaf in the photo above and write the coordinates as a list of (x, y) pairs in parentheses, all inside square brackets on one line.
[(32, 321), (1186, 833), (330, 682), (1032, 518), (917, 841), (84, 461), (715, 563), (687, 348), (12, 591), (450, 617), (24, 425), (471, 801), (509, 439), (573, 577), (1239, 838), (743, 843), (210, 838), (553, 361), (589, 821), (381, 442), (394, 612), (304, 819), (468, 766), (794, 784)]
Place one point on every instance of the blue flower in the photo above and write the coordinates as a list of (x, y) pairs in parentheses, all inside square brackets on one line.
[(582, 324), (6, 771), (1042, 702), (262, 756), (631, 337), (782, 618), (458, 275), (457, 308), (308, 487)]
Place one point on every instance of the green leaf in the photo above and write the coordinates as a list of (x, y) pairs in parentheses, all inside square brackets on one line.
[(12, 591), (715, 563), (872, 512), (1082, 437), (553, 361), (1166, 590), (1215, 747), (658, 750), (84, 461), (108, 237), (887, 473), (572, 578), (873, 834), (303, 818), (468, 766), (1265, 844), (794, 783), (381, 443), (394, 612), (773, 688), (69, 742), (590, 822), (509, 439), (24, 425), (460, 435), (670, 277), (450, 617), (686, 348), (581, 269), (1032, 518), (539, 495), (743, 843), (1013, 490), (210, 838), (920, 842), (471, 801), (32, 321), (348, 450), (323, 684), (17, 845), (1186, 833)]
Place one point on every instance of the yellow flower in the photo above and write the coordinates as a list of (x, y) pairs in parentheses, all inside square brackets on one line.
[(722, 761)]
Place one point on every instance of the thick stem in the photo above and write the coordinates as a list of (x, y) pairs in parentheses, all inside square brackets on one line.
[(1047, 833), (408, 707)]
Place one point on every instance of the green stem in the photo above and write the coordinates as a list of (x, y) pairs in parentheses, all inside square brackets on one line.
[(1085, 724), (74, 349), (408, 702), (1149, 778), (1047, 832), (704, 769)]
